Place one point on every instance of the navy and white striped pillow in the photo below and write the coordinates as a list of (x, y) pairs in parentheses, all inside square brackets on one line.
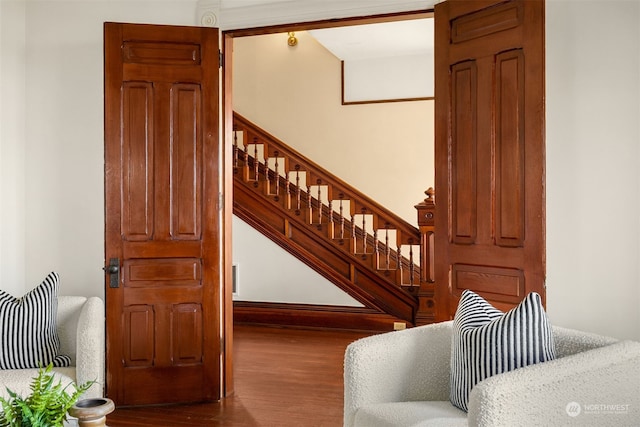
[(28, 325), (488, 342)]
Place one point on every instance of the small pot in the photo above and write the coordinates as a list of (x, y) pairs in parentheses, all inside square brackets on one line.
[(92, 412)]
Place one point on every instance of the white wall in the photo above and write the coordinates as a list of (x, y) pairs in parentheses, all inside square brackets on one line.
[(593, 193), (52, 208), (12, 145), (392, 77), (593, 206), (267, 273)]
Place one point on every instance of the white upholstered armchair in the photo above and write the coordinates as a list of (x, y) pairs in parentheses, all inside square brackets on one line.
[(402, 379), (81, 328)]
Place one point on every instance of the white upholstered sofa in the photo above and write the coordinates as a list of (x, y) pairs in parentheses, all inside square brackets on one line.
[(80, 324), (402, 379)]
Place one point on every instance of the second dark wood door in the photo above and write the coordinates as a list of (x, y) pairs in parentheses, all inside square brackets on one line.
[(490, 215)]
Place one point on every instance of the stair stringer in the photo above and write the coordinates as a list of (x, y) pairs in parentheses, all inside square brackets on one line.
[(350, 274)]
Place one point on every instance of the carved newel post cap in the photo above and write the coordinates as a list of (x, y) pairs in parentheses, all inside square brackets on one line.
[(430, 194), (92, 412)]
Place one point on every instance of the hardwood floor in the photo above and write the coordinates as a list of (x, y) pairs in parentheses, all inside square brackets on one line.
[(283, 377)]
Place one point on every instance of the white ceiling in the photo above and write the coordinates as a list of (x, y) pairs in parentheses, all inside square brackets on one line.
[(389, 39)]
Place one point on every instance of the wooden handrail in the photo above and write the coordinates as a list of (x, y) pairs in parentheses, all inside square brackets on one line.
[(318, 175)]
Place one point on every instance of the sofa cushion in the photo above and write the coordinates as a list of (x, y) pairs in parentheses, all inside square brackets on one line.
[(19, 380), (486, 342), (28, 326), (411, 414)]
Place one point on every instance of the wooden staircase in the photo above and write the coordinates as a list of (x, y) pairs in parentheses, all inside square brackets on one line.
[(367, 251)]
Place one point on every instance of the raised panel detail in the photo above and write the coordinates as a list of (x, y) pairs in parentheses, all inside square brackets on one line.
[(463, 151), (161, 53), (186, 327), (509, 149), (496, 283), (137, 161), (165, 272), (186, 162), (139, 326), (485, 22)]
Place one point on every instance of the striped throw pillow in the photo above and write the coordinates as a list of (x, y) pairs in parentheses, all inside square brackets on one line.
[(28, 325), (487, 342)]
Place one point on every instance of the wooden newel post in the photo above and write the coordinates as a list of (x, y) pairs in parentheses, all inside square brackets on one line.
[(426, 214)]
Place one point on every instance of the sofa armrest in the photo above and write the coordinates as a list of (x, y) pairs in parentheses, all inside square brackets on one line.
[(407, 365), (90, 346), (598, 387), (571, 341)]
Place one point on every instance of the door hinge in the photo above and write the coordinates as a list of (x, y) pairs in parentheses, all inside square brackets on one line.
[(220, 201), (220, 59)]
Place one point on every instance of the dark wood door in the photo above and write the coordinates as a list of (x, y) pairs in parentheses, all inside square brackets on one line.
[(162, 187), (489, 151)]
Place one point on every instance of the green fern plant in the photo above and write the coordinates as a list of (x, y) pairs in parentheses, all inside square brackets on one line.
[(47, 405)]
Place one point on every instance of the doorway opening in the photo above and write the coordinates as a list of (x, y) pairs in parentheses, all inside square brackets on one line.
[(294, 107)]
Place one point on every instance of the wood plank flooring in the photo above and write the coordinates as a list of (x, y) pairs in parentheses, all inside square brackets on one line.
[(283, 377)]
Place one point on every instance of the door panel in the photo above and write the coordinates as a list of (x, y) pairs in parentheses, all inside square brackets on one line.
[(162, 215), (489, 151), (464, 153), (138, 328), (137, 160), (497, 283), (186, 162), (510, 149)]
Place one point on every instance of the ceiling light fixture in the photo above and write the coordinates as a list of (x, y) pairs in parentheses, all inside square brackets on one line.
[(292, 40)]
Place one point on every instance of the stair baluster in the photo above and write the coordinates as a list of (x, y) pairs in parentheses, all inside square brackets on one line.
[(297, 169), (411, 266), (376, 250), (319, 203), (256, 176), (364, 232), (310, 204), (287, 191), (277, 171), (387, 249), (341, 219), (235, 150), (354, 236), (267, 179), (245, 159), (331, 225)]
